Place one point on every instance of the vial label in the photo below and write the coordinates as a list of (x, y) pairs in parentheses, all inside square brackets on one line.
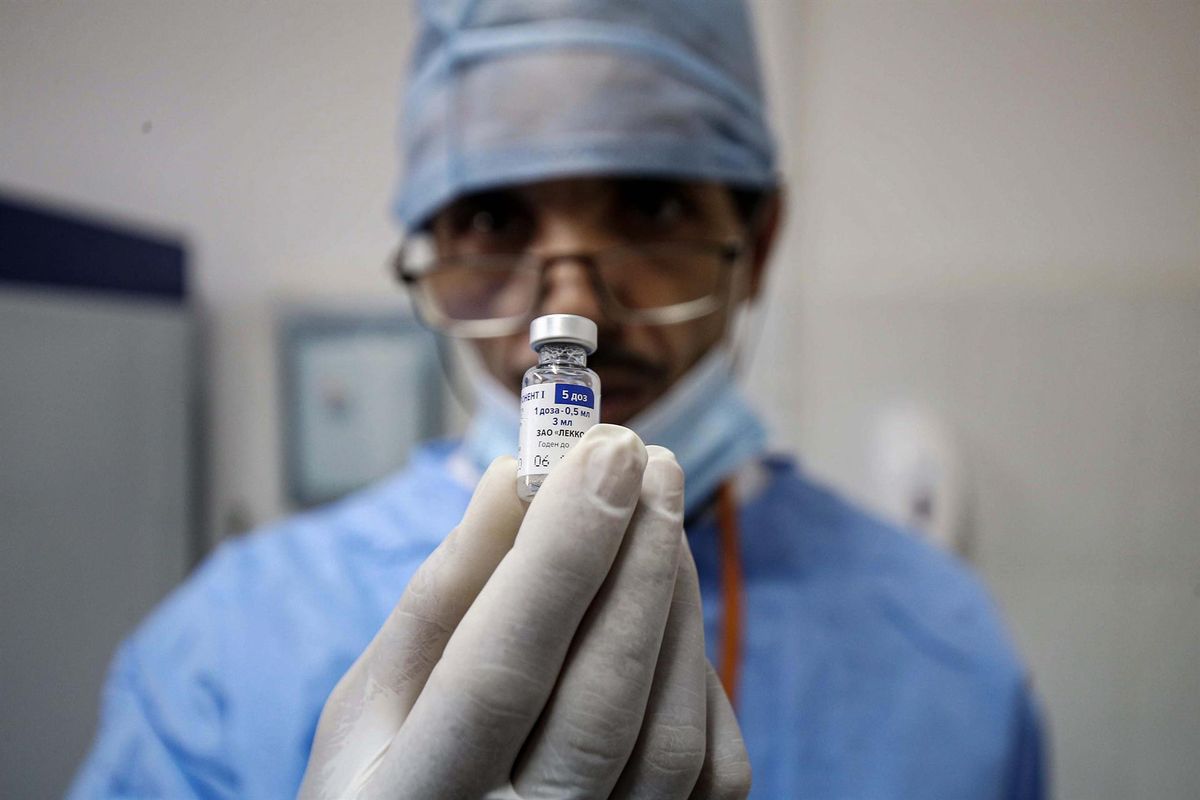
[(553, 417)]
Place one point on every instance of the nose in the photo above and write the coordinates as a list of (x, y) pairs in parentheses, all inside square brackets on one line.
[(568, 283), (568, 288)]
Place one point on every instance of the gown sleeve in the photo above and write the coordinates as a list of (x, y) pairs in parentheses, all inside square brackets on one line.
[(162, 727)]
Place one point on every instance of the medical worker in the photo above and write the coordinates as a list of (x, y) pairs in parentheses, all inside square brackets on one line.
[(436, 637)]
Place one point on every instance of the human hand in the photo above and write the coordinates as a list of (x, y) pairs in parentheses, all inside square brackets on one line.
[(554, 650)]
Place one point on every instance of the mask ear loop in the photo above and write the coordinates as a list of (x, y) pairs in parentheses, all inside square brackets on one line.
[(449, 355), (454, 357), (744, 326)]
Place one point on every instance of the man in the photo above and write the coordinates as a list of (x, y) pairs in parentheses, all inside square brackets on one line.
[(609, 160)]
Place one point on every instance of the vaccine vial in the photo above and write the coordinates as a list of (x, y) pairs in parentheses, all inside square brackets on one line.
[(560, 397)]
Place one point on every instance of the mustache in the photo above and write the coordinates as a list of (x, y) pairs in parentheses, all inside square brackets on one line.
[(618, 358)]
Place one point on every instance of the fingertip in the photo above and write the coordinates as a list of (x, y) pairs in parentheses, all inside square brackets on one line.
[(615, 436), (502, 471), (663, 461), (606, 463), (496, 492), (663, 480), (505, 464), (614, 457)]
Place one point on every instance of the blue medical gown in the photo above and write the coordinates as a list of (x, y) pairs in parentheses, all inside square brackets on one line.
[(874, 666)]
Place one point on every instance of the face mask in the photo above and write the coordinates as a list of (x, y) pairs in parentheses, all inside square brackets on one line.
[(702, 418)]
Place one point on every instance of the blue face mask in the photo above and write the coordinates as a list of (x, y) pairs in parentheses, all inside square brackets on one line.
[(702, 418)]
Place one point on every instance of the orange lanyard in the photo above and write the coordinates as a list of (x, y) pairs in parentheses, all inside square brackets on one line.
[(730, 657)]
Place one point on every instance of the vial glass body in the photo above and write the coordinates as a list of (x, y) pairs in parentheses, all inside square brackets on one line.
[(560, 401)]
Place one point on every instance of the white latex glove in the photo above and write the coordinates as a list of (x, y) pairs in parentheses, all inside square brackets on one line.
[(554, 652)]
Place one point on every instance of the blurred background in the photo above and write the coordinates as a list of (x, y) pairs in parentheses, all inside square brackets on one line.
[(984, 320)]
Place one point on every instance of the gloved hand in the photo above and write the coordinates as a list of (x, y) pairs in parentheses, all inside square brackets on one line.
[(548, 651)]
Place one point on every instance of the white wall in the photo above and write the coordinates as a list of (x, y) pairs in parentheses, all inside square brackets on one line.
[(997, 216), (262, 132), (995, 211)]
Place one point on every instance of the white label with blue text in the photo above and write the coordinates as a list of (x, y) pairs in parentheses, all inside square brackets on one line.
[(553, 417)]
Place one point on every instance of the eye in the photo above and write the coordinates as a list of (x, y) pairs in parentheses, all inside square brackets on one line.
[(489, 221), (657, 205), (486, 221)]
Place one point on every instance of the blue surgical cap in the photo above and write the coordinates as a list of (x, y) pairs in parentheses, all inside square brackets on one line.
[(514, 91)]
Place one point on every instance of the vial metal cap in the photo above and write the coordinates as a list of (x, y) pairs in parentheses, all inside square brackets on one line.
[(570, 328)]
